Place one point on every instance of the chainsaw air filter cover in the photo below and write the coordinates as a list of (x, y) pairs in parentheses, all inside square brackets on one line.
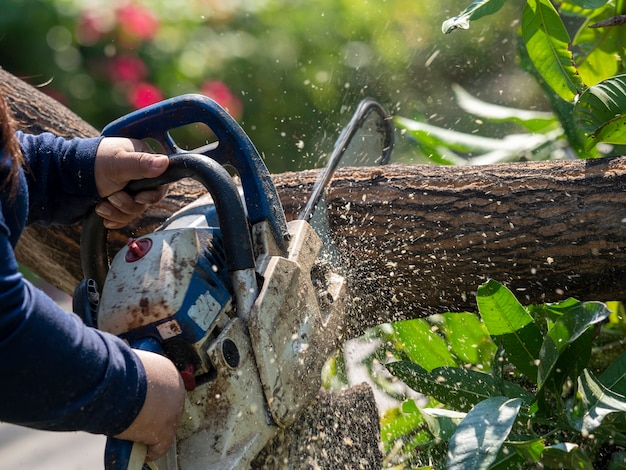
[(168, 284)]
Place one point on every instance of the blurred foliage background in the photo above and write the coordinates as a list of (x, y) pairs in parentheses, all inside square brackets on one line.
[(291, 72)]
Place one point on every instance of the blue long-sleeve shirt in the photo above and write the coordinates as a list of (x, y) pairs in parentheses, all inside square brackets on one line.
[(56, 373)]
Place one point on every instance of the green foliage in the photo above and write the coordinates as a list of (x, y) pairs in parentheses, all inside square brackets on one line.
[(290, 72), (581, 77), (530, 394)]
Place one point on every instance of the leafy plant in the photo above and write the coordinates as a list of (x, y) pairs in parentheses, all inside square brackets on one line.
[(582, 75), (516, 386)]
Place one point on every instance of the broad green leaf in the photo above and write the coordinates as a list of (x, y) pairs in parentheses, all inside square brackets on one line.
[(508, 320), (597, 402), (478, 438), (469, 339), (458, 388), (405, 422), (421, 344), (566, 455), (506, 149), (476, 10), (614, 377), (500, 310), (566, 330), (601, 112), (435, 136), (535, 121), (530, 449), (546, 41), (596, 55), (552, 311)]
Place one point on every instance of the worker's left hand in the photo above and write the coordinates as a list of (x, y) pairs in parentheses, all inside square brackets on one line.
[(118, 161)]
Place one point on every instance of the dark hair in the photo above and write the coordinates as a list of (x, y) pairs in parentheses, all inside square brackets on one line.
[(9, 148)]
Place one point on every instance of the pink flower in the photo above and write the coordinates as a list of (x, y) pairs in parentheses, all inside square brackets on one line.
[(220, 92), (137, 22), (127, 68), (144, 94)]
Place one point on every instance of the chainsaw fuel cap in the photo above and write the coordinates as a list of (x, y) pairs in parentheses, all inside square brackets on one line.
[(137, 248)]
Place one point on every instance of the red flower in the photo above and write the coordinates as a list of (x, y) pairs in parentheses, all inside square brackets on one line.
[(137, 22), (144, 94), (220, 92), (127, 68)]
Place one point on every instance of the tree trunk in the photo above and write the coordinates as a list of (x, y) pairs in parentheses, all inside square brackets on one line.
[(416, 239)]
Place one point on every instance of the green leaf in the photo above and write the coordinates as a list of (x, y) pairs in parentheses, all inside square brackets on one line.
[(476, 10), (546, 41), (596, 49), (530, 449), (500, 310), (478, 438), (534, 121), (565, 332), (404, 423), (458, 388), (597, 402), (440, 141), (600, 112), (614, 377), (422, 345), (469, 339), (435, 136), (508, 320), (566, 455)]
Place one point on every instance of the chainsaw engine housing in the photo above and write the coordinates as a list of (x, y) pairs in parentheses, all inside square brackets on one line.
[(172, 286)]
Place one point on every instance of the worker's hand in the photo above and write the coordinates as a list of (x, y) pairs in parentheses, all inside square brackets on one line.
[(156, 423), (119, 161)]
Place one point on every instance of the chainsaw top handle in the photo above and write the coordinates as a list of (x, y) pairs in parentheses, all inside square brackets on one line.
[(233, 148), (228, 204)]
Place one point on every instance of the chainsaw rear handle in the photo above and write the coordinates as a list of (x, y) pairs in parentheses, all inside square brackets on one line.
[(230, 212), (120, 454), (233, 148)]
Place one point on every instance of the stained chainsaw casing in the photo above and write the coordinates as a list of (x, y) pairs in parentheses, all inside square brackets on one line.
[(171, 285)]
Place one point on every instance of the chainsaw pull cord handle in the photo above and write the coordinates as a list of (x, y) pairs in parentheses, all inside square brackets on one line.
[(121, 454)]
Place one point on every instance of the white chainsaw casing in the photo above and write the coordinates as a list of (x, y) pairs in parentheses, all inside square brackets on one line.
[(294, 323)]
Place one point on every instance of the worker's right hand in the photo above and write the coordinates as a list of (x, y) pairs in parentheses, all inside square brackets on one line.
[(156, 423)]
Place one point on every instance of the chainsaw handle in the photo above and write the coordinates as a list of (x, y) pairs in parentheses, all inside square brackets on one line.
[(120, 454), (229, 208), (233, 148)]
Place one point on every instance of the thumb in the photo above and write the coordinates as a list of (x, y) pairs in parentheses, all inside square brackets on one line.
[(140, 165)]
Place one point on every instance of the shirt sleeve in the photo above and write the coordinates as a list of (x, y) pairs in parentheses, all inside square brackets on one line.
[(58, 374), (60, 177)]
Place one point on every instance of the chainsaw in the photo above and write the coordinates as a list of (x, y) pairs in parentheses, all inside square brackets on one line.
[(242, 301)]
